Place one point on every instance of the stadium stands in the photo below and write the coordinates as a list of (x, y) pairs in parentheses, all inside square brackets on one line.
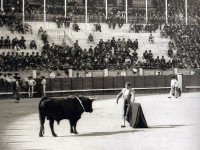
[(63, 48)]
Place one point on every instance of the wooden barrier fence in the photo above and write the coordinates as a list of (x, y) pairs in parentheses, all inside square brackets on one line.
[(105, 85)]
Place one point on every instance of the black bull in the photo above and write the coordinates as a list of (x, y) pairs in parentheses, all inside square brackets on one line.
[(56, 109)]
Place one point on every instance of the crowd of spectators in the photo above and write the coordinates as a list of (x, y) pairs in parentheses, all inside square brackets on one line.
[(13, 24), (176, 10), (110, 54), (106, 54), (184, 45), (116, 18), (16, 61), (96, 10), (15, 43), (183, 50), (60, 21), (137, 28)]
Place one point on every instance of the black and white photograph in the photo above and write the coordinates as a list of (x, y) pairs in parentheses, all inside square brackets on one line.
[(99, 74)]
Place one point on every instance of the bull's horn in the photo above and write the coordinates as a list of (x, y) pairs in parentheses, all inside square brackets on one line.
[(93, 98)]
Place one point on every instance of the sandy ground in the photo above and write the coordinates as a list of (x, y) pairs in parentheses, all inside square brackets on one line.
[(173, 125)]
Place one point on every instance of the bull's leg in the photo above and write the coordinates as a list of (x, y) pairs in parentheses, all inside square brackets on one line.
[(51, 122), (74, 124), (71, 127), (42, 120)]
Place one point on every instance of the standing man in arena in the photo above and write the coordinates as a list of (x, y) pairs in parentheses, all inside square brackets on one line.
[(16, 88), (128, 96), (43, 86), (174, 87), (31, 84)]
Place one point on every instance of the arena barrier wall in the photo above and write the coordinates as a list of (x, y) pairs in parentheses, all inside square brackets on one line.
[(140, 83), (150, 81), (104, 85), (108, 84), (160, 81), (77, 84), (118, 83), (48, 86), (97, 83), (191, 83), (56, 86), (87, 84), (66, 84)]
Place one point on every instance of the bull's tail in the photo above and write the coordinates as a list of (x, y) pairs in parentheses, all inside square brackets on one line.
[(41, 116)]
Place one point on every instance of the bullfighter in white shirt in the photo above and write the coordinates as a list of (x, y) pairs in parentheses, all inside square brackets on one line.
[(128, 96), (174, 87)]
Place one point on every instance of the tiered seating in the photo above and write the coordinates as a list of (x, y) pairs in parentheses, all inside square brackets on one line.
[(28, 37), (159, 48)]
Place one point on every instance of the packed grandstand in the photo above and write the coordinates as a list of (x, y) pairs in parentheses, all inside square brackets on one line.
[(110, 42)]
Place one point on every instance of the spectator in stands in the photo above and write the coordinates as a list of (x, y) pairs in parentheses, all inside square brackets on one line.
[(163, 34), (17, 47), (131, 27), (120, 21), (157, 62), (114, 21), (40, 31), (12, 27), (150, 55), (170, 52), (163, 63), (33, 44), (7, 43), (57, 20), (129, 43), (27, 28), (44, 37), (20, 27), (75, 26), (146, 55), (90, 38), (109, 19), (169, 64), (113, 42), (22, 44), (151, 39), (46, 47), (134, 56), (2, 43), (98, 27), (14, 42), (67, 21), (152, 63), (135, 44)]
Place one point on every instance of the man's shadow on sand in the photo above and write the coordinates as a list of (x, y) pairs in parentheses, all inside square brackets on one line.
[(134, 130)]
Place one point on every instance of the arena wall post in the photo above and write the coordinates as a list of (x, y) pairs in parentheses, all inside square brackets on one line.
[(180, 80), (141, 72)]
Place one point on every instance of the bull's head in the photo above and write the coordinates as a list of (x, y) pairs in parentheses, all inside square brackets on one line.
[(87, 103)]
